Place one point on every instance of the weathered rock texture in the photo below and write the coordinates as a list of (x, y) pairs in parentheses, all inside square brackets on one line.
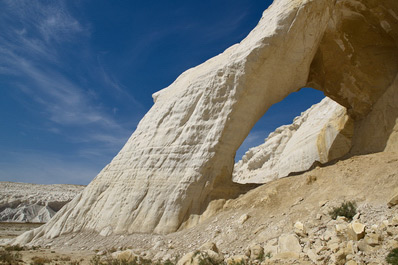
[(181, 156), (23, 202), (320, 134)]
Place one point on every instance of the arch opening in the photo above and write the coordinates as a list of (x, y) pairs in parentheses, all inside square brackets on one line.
[(279, 114), (304, 129)]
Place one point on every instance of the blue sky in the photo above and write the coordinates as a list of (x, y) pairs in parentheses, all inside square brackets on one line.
[(77, 76)]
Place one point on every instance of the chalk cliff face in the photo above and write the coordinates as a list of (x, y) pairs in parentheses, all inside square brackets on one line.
[(181, 156), (320, 134)]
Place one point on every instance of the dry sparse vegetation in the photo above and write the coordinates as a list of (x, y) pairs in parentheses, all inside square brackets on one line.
[(346, 209), (40, 260), (392, 257)]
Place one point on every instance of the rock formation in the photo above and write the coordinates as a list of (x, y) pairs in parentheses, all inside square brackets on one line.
[(181, 155), (320, 134), (22, 202)]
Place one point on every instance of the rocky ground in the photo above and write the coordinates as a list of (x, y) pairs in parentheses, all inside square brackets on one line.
[(10, 230), (283, 222), (25, 202)]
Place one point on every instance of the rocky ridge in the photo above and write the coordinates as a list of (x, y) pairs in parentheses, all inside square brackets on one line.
[(24, 202)]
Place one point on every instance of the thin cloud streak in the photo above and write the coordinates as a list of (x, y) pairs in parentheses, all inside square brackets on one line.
[(30, 51), (51, 20), (114, 85)]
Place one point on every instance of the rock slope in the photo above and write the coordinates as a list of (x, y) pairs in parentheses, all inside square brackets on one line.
[(181, 156), (320, 134), (23, 202)]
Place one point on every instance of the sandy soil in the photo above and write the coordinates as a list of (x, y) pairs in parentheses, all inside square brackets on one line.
[(58, 256), (11, 230)]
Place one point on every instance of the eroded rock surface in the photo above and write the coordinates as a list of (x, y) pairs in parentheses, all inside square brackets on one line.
[(181, 156), (23, 202), (320, 134)]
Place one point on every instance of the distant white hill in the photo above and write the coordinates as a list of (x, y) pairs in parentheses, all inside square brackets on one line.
[(24, 202)]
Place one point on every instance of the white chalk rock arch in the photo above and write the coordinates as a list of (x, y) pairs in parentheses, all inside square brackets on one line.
[(181, 155)]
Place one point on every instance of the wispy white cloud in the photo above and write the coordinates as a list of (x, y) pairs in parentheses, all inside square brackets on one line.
[(51, 19), (118, 89), (31, 50)]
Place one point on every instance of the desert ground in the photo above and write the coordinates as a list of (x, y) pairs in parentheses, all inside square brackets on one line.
[(39, 255), (10, 230), (259, 218)]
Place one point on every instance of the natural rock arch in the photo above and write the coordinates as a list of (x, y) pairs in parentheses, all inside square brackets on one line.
[(182, 154), (319, 135)]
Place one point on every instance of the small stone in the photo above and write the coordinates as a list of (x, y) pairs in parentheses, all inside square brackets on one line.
[(243, 218), (364, 247), (322, 203), (334, 247), (394, 220), (341, 229), (256, 252), (313, 256), (187, 259), (351, 262), (341, 219), (209, 246), (355, 231), (271, 246), (374, 228), (289, 243), (351, 247), (327, 235), (319, 249), (310, 179), (392, 244), (300, 199), (340, 257), (270, 249), (299, 229), (372, 239), (238, 259), (356, 217), (127, 255), (384, 224), (393, 201)]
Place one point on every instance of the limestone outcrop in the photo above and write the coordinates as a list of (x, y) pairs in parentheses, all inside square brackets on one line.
[(23, 202), (320, 134), (181, 156)]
